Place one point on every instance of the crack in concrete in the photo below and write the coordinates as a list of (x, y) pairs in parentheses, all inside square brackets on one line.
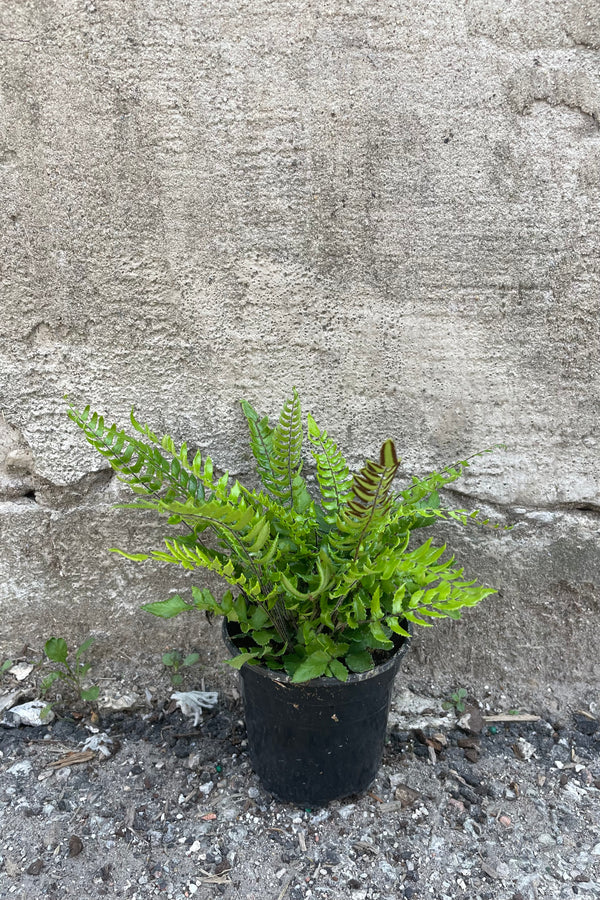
[(44, 492), (556, 104), (16, 40), (582, 43), (521, 509), (49, 495)]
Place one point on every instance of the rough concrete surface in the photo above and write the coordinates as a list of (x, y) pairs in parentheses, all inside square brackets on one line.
[(392, 205)]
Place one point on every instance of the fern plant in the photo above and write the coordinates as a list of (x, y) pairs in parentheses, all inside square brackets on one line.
[(317, 585)]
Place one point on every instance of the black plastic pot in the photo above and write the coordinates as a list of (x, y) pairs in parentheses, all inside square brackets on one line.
[(321, 740)]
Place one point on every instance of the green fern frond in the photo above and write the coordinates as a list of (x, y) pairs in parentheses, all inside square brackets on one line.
[(140, 465), (422, 487), (240, 525), (428, 513), (369, 503), (261, 444), (286, 522), (333, 475), (443, 599), (286, 460), (139, 427)]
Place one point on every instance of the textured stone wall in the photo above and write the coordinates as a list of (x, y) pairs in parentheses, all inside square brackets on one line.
[(392, 205)]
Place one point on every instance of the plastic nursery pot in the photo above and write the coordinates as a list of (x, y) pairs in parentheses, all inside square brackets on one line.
[(321, 740)]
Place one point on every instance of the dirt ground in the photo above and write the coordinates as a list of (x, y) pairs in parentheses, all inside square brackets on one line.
[(462, 808)]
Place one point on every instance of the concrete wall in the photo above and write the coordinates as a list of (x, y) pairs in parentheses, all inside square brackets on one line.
[(392, 205)]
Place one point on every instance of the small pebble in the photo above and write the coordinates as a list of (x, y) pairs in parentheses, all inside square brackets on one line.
[(546, 839), (75, 845)]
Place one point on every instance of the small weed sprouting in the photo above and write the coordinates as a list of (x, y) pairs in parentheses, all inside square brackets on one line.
[(72, 672), (46, 713), (174, 660), (456, 701), (6, 665)]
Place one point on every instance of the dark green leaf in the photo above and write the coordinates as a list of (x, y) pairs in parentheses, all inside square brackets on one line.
[(238, 661), (167, 609), (204, 600), (259, 618), (312, 667), (172, 658), (338, 670), (56, 649), (84, 647), (262, 638), (90, 694), (49, 680), (380, 635), (359, 661)]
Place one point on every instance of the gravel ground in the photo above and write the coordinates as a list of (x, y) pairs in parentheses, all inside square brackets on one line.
[(461, 808)]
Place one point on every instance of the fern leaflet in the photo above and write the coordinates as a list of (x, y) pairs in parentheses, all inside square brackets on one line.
[(332, 472)]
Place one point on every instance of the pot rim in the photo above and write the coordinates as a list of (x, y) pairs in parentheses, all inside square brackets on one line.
[(353, 678)]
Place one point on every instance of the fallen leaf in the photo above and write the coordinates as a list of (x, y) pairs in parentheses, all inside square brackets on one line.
[(581, 712), (363, 846), (73, 758), (105, 872), (102, 743), (118, 703)]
